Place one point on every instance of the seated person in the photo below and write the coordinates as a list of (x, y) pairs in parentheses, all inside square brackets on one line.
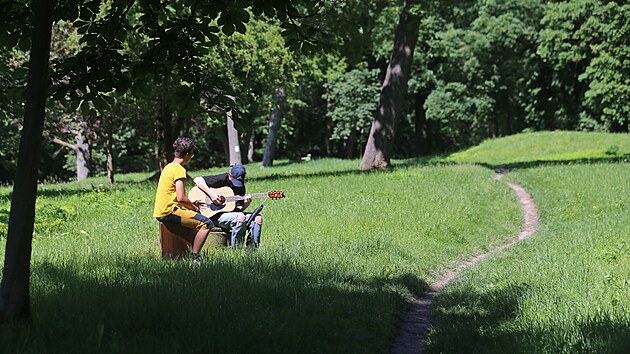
[(235, 220), (171, 203)]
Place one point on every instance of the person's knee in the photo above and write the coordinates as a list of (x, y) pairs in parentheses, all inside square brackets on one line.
[(240, 217), (207, 223), (258, 219), (204, 221)]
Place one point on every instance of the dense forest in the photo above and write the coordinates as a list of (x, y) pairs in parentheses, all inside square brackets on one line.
[(254, 83)]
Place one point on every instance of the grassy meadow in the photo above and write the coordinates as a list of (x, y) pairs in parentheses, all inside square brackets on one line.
[(338, 258), (567, 289), (340, 255)]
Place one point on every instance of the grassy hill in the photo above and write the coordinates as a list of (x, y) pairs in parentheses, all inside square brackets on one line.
[(546, 147)]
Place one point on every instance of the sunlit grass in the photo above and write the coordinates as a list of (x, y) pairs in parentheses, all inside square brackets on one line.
[(547, 147), (339, 256), (566, 290)]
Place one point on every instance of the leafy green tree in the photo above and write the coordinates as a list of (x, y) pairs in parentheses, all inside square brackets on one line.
[(178, 33), (485, 67), (351, 98), (585, 42), (9, 124), (460, 116), (253, 65)]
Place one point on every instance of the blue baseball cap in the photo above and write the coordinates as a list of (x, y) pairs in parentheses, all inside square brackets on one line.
[(238, 174)]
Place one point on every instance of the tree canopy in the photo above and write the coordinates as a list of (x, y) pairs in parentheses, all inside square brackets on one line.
[(481, 69)]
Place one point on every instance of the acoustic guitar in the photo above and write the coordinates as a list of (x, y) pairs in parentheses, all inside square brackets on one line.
[(227, 197)]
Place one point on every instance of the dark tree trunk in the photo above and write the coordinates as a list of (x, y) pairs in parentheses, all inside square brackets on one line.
[(350, 145), (423, 138), (493, 127), (14, 289), (506, 124), (274, 126), (378, 149), (165, 138)]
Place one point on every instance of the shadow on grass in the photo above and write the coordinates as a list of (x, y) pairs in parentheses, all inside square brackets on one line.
[(88, 189), (468, 321), (435, 160), (400, 164), (541, 163), (241, 305)]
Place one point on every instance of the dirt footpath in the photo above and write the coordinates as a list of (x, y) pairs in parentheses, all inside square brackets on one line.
[(417, 319)]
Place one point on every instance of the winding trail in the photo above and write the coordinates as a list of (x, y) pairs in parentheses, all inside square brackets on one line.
[(417, 319)]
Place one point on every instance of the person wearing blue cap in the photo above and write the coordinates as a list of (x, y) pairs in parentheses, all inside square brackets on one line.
[(235, 220)]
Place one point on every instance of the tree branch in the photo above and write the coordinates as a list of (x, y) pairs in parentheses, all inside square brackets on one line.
[(66, 144)]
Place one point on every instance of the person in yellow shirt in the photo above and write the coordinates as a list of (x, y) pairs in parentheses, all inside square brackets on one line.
[(170, 198)]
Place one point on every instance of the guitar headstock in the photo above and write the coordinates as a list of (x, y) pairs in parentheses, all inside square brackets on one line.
[(275, 194)]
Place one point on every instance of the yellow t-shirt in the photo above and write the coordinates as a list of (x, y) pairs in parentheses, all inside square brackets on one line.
[(166, 195)]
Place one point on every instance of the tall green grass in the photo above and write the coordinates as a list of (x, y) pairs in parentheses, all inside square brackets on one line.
[(567, 289), (338, 258)]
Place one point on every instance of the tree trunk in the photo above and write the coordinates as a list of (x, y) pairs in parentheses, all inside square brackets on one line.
[(423, 139), (274, 126), (379, 146), (233, 140), (14, 289), (165, 137), (506, 124), (493, 126), (349, 147), (250, 146), (164, 141), (83, 156), (110, 155)]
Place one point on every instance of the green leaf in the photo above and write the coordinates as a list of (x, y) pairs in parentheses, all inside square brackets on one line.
[(240, 27), (257, 8), (17, 94), (74, 104), (12, 40), (85, 14), (213, 39), (101, 104), (228, 29), (85, 106), (24, 44), (269, 10)]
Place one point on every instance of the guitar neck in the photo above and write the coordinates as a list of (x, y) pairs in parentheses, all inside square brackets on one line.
[(233, 198)]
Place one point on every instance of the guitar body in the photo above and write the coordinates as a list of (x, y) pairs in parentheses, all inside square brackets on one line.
[(210, 208)]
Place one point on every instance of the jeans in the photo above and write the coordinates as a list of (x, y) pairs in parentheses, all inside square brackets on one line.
[(230, 221)]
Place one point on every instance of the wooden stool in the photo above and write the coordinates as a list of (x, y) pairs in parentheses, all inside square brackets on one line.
[(176, 240)]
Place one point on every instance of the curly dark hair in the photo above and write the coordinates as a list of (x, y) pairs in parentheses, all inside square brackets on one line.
[(182, 146)]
